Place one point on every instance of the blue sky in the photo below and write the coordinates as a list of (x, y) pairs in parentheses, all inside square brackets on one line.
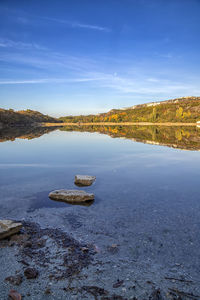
[(88, 56)]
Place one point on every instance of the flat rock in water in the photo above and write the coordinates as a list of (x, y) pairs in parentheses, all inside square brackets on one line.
[(84, 180), (71, 196), (8, 228)]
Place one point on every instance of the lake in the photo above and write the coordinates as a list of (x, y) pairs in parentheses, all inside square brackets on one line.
[(143, 227)]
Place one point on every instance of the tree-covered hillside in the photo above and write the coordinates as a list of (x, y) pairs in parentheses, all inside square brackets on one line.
[(11, 117), (186, 110)]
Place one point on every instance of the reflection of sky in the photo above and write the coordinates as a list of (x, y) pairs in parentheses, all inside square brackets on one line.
[(128, 173), (63, 149)]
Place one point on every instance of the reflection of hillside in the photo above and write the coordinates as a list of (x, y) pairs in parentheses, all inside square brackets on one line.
[(22, 132), (187, 138)]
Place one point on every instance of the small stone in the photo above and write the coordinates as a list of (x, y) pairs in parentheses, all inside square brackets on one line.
[(149, 282), (31, 273), (28, 244), (8, 228), (84, 249), (96, 249), (118, 284), (14, 295), (156, 295), (16, 280), (71, 196), (47, 291), (113, 248), (24, 262), (84, 180), (41, 243)]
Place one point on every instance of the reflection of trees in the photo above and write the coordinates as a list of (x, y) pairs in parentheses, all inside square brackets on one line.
[(23, 132), (184, 137), (178, 135)]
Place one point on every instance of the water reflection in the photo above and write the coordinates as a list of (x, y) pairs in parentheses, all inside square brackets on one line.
[(85, 203), (41, 200), (184, 137), (22, 132)]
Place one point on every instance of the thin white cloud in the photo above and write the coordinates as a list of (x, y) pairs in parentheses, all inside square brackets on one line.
[(48, 80), (25, 165), (119, 84), (134, 85), (25, 18), (75, 24), (49, 61), (6, 43), (152, 79), (124, 79), (4, 82)]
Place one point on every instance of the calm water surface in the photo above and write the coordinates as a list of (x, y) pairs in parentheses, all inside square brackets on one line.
[(147, 202)]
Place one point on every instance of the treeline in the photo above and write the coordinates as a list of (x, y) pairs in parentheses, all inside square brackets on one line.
[(186, 110), (10, 117)]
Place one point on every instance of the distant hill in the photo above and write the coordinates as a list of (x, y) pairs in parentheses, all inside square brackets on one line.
[(11, 117), (185, 109), (182, 110)]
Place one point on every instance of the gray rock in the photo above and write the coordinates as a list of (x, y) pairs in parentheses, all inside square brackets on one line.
[(71, 196), (84, 180), (8, 228)]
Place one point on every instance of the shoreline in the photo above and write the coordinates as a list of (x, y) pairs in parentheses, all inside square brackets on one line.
[(119, 124)]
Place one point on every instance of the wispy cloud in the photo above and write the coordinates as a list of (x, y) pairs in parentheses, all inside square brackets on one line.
[(152, 79), (135, 86), (48, 80), (75, 24), (24, 165), (6, 43), (120, 84), (48, 61), (6, 82), (26, 18), (121, 77)]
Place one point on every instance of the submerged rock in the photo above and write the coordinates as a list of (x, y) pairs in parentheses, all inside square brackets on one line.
[(31, 273), (16, 280), (71, 196), (14, 295), (8, 228), (84, 180)]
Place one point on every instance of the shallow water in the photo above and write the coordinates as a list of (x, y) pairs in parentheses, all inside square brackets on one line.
[(147, 205)]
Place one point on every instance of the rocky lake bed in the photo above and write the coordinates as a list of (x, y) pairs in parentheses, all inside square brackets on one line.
[(48, 263)]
